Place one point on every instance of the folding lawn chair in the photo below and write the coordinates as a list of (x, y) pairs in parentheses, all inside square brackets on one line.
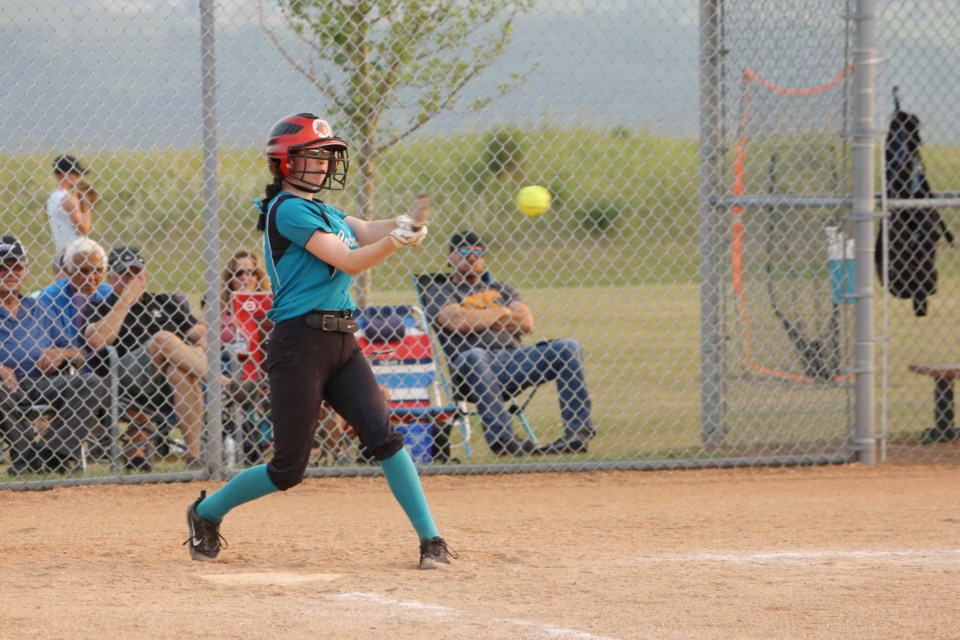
[(149, 421), (396, 341), (455, 389), (249, 313)]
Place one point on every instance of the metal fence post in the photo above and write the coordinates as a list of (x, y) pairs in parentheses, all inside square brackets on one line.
[(711, 429), (213, 449), (864, 57)]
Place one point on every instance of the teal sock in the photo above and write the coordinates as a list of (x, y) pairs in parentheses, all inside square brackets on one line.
[(247, 485), (404, 482)]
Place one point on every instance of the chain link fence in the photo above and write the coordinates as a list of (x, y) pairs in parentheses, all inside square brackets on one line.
[(163, 107)]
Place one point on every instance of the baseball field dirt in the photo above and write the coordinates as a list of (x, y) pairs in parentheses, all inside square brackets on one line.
[(814, 552)]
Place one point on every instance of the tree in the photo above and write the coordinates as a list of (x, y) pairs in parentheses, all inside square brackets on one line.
[(391, 66)]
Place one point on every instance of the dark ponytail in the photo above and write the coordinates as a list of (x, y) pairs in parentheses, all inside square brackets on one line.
[(269, 192)]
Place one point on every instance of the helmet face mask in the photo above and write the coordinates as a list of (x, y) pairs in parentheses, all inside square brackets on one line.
[(295, 143)]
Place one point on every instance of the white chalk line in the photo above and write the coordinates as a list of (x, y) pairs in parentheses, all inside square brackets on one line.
[(761, 557), (441, 611)]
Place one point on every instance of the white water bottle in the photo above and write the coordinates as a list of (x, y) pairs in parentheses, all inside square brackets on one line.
[(840, 264)]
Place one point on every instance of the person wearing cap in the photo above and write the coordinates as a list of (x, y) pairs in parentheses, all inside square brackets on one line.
[(35, 355), (84, 267), (161, 345), (481, 325), (68, 211)]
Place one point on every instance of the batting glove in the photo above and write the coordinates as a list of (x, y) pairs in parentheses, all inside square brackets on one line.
[(405, 222), (404, 238)]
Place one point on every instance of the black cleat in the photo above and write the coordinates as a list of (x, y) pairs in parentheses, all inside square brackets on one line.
[(434, 552), (205, 540), (514, 447), (564, 446)]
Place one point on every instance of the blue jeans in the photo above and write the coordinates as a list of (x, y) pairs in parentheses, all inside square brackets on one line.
[(486, 376)]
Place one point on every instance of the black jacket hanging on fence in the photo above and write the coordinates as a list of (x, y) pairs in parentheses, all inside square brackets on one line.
[(914, 231)]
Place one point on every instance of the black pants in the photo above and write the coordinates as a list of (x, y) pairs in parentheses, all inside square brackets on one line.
[(80, 402), (306, 366)]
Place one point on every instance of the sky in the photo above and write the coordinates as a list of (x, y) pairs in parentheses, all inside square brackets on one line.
[(126, 73)]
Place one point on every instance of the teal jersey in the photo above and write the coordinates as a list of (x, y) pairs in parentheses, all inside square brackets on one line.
[(302, 282)]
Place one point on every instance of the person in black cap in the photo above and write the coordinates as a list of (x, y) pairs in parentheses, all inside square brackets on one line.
[(34, 353), (69, 207), (481, 325), (161, 345)]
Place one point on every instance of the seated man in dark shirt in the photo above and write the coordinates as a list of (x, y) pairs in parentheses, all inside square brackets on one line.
[(35, 352), (480, 328), (162, 347)]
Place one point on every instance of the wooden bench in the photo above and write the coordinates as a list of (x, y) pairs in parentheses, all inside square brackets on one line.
[(943, 375)]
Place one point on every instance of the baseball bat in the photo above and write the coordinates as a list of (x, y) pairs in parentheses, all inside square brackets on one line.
[(421, 210)]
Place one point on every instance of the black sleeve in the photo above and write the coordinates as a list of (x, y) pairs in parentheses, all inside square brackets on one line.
[(178, 309), (94, 311)]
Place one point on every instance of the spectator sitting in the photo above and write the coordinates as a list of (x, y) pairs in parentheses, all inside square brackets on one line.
[(480, 327), (84, 263), (160, 344), (34, 351), (244, 272)]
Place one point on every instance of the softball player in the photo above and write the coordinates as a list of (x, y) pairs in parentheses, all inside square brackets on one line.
[(312, 251)]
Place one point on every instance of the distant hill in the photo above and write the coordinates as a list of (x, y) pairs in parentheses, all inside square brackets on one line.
[(90, 74), (131, 79)]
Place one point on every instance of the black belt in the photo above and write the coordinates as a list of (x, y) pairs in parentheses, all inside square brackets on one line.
[(341, 321)]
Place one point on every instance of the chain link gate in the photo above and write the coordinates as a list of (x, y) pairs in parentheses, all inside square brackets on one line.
[(168, 105)]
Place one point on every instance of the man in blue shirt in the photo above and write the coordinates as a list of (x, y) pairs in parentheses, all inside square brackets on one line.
[(84, 263), (34, 350)]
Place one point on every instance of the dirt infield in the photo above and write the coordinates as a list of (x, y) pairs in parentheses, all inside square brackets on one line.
[(824, 552)]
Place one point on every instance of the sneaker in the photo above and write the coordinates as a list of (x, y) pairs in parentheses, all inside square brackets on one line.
[(135, 451), (138, 463), (564, 446), (23, 463), (205, 540), (50, 461), (434, 552), (514, 447)]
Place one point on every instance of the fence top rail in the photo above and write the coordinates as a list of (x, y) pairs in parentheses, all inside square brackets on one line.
[(942, 199)]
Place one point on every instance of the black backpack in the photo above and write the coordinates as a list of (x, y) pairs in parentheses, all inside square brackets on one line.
[(914, 231)]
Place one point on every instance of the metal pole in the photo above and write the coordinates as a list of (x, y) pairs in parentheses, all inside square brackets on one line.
[(711, 340), (864, 59), (213, 449)]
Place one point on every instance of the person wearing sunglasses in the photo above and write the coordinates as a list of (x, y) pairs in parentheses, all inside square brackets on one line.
[(243, 273), (36, 367), (85, 266), (481, 325)]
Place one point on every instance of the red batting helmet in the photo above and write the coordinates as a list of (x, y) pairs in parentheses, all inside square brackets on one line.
[(304, 134)]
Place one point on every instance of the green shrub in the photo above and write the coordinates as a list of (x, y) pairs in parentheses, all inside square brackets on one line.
[(503, 152), (598, 218)]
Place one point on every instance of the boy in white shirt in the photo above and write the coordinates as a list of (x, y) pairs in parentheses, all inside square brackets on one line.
[(68, 214)]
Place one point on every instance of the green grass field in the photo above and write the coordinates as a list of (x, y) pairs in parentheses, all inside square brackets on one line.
[(629, 293)]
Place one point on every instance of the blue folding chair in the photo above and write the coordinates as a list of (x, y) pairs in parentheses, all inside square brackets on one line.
[(397, 343), (455, 389)]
